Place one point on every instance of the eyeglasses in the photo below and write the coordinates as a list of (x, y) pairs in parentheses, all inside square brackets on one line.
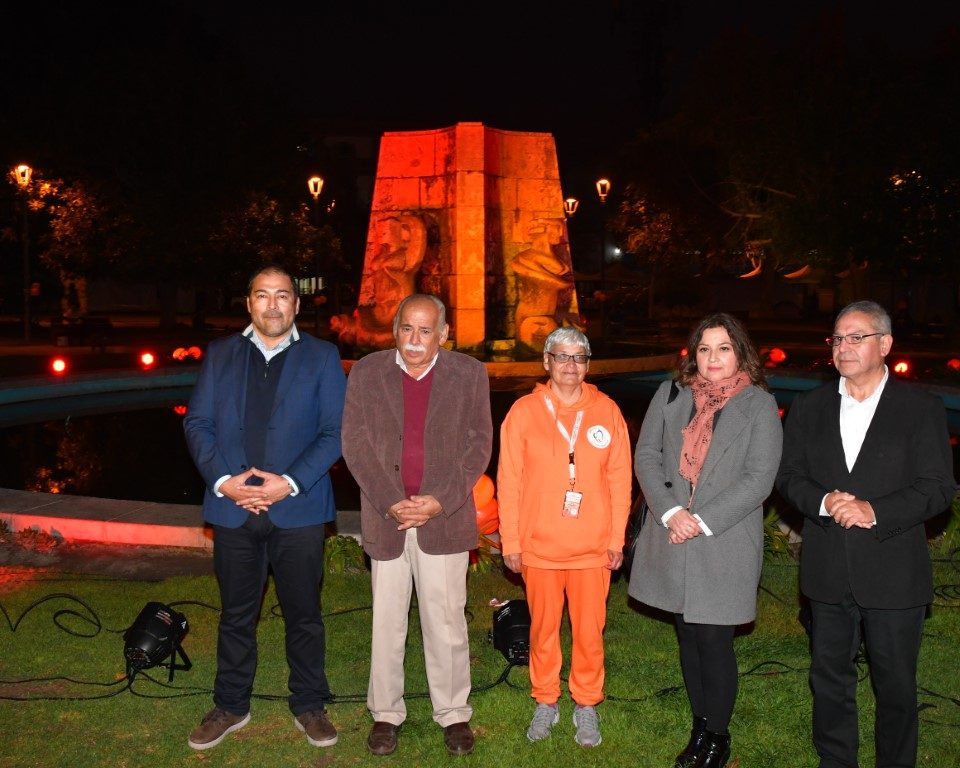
[(850, 338), (560, 357)]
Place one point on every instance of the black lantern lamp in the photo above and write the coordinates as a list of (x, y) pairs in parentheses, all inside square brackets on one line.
[(511, 631), (155, 635)]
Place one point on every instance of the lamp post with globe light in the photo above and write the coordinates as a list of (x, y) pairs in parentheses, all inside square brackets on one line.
[(315, 185), (603, 191), (23, 173)]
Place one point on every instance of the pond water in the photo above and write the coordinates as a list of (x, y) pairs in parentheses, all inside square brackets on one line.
[(142, 455)]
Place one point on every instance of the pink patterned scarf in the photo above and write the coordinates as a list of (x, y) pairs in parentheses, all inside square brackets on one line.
[(708, 397)]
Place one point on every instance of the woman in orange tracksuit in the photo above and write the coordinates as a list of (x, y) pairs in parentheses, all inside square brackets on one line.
[(563, 486)]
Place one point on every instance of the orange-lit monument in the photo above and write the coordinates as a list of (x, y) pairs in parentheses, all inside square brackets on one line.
[(475, 216)]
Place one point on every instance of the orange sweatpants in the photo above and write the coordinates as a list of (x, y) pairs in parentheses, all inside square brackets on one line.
[(586, 594)]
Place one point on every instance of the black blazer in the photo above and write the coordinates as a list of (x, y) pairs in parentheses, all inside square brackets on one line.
[(904, 470)]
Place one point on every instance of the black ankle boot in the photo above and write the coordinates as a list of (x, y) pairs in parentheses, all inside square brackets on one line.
[(685, 759), (715, 751)]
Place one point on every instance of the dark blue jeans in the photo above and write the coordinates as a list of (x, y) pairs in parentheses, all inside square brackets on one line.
[(242, 557)]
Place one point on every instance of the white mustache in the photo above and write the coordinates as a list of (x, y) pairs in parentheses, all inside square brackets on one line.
[(414, 347)]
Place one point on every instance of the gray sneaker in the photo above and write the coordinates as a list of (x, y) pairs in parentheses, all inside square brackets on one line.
[(216, 724), (545, 716), (587, 722)]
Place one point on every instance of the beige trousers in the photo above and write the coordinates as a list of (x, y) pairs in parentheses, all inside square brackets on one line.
[(441, 583)]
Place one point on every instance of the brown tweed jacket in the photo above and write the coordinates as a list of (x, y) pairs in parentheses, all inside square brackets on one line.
[(457, 449)]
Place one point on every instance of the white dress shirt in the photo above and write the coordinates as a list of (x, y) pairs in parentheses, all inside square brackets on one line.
[(855, 418)]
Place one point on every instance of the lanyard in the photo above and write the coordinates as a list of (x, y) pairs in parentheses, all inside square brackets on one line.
[(570, 438)]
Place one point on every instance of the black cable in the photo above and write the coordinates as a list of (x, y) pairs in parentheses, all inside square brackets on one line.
[(92, 619), (181, 692)]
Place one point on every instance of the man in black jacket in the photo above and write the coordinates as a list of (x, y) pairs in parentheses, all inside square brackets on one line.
[(866, 460)]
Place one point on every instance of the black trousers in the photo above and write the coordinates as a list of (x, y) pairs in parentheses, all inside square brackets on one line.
[(709, 668), (241, 557), (892, 641)]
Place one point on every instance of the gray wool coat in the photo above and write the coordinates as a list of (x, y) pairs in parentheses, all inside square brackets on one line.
[(708, 579)]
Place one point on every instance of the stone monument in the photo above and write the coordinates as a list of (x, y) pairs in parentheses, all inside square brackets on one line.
[(475, 216)]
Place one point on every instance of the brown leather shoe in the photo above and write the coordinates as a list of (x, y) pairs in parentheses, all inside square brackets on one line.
[(216, 724), (458, 739), (383, 738), (316, 725)]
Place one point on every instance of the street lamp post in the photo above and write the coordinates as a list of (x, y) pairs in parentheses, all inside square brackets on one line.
[(603, 190), (23, 173), (315, 185)]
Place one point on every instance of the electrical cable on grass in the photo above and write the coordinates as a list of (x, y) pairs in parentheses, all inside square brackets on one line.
[(181, 691)]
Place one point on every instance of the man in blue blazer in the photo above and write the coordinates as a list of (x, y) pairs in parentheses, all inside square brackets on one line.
[(867, 461), (263, 428)]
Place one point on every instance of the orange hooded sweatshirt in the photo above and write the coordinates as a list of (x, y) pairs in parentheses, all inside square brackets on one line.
[(533, 476)]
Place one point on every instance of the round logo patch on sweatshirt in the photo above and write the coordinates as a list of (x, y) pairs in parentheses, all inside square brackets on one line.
[(598, 436)]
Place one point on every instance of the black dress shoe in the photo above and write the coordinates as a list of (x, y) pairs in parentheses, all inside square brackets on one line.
[(697, 734), (458, 739), (383, 738), (715, 751)]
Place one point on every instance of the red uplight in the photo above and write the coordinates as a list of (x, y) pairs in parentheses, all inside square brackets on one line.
[(684, 352), (58, 366), (901, 367), (182, 353), (147, 360), (180, 410), (777, 355), (781, 412), (954, 363)]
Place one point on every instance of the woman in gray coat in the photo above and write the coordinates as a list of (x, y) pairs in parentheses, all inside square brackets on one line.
[(707, 455)]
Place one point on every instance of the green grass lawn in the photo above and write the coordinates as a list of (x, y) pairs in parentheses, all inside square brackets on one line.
[(65, 658)]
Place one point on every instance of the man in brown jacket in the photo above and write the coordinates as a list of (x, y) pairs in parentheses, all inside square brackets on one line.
[(416, 437)]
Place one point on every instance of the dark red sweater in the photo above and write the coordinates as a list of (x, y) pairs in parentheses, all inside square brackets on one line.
[(416, 398)]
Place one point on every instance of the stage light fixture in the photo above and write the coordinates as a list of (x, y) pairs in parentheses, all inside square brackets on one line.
[(511, 631), (156, 635)]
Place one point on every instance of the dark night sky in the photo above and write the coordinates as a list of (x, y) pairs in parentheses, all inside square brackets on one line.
[(592, 74)]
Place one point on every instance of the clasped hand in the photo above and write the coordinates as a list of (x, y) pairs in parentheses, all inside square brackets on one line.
[(414, 511), (849, 511), (683, 527), (256, 498)]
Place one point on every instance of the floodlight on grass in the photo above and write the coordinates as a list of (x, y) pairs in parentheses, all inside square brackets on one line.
[(155, 635)]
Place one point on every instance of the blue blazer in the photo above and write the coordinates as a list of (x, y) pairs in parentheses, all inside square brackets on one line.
[(303, 433)]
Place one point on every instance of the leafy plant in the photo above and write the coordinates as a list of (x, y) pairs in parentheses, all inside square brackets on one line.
[(950, 539), (342, 554), (776, 543), (485, 556)]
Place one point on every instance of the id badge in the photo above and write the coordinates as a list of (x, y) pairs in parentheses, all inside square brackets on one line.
[(571, 503)]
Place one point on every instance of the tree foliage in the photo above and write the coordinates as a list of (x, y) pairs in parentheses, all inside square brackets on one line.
[(261, 229), (793, 144)]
